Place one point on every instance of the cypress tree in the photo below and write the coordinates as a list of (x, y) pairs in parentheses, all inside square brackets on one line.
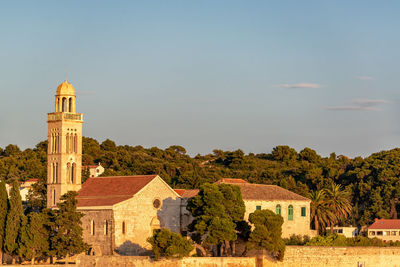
[(13, 221), (33, 240), (67, 240), (3, 215)]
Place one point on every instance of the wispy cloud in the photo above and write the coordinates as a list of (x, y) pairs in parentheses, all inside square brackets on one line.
[(361, 104), (300, 85), (365, 78)]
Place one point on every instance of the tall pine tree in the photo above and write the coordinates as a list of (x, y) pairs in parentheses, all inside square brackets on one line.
[(13, 222), (3, 215), (67, 240)]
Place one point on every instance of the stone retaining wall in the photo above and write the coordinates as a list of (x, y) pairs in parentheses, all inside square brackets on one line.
[(299, 256)]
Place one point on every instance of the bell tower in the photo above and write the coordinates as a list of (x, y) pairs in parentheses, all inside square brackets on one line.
[(64, 153)]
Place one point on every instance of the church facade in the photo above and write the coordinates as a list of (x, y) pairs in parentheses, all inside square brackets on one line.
[(121, 212)]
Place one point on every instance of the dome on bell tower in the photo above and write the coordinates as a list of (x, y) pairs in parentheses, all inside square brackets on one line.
[(65, 89)]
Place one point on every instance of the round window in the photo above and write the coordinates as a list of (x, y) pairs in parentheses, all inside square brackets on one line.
[(157, 203)]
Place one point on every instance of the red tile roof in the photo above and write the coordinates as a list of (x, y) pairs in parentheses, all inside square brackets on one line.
[(231, 181), (31, 181), (190, 193), (385, 224), (107, 191), (179, 191)]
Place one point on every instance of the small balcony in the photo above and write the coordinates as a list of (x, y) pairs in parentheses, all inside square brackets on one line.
[(64, 116)]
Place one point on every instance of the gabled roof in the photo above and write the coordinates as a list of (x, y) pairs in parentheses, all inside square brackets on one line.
[(254, 191), (268, 192), (107, 191), (385, 224), (179, 191), (231, 181)]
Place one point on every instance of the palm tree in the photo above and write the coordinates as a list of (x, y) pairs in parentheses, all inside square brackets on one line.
[(338, 202), (321, 214)]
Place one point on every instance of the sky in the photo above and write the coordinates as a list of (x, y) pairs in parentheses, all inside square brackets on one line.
[(206, 75)]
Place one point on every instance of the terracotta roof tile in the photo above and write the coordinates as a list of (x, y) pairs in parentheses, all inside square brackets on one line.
[(190, 193), (268, 192), (179, 191), (385, 224), (231, 181), (107, 191)]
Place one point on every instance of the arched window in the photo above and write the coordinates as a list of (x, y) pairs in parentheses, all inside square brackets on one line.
[(53, 177), (92, 232), (67, 143), (278, 209), (71, 143), (105, 227), (155, 223), (123, 227), (68, 172), (290, 213), (56, 174), (76, 143), (54, 197), (64, 104), (70, 105), (73, 172)]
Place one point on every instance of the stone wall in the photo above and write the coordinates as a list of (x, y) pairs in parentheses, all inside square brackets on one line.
[(140, 217), (135, 261), (300, 225), (102, 240), (294, 256), (338, 256)]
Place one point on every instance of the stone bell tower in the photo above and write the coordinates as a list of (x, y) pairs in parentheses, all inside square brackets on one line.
[(64, 154)]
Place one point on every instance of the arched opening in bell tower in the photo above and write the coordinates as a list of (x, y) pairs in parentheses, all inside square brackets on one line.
[(70, 105), (64, 105)]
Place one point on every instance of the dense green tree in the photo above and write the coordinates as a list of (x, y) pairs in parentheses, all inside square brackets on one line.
[(215, 214), (267, 233), (34, 237), (13, 222), (67, 239), (37, 197), (168, 244), (3, 215)]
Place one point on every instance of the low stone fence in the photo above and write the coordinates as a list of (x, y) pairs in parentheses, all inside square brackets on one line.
[(298, 256), (125, 261)]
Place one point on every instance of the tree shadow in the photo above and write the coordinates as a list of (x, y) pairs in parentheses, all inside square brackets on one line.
[(132, 249)]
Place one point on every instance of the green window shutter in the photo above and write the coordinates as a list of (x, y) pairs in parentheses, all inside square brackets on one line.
[(278, 209), (290, 213), (303, 211), (258, 207)]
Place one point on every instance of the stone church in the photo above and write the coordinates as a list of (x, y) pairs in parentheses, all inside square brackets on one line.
[(121, 212)]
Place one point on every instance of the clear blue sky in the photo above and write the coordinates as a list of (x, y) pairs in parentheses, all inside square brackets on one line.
[(206, 74)]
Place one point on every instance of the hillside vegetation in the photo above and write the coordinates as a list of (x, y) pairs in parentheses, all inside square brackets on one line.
[(373, 181)]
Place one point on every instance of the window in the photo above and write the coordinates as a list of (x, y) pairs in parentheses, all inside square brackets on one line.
[(67, 143), (123, 228), (278, 209), (54, 197), (70, 104), (290, 213), (394, 233), (92, 227), (303, 211), (387, 233), (156, 203), (372, 232), (340, 231), (64, 104), (379, 233), (105, 227), (258, 207)]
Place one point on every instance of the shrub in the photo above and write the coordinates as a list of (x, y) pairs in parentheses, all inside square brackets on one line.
[(170, 245)]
